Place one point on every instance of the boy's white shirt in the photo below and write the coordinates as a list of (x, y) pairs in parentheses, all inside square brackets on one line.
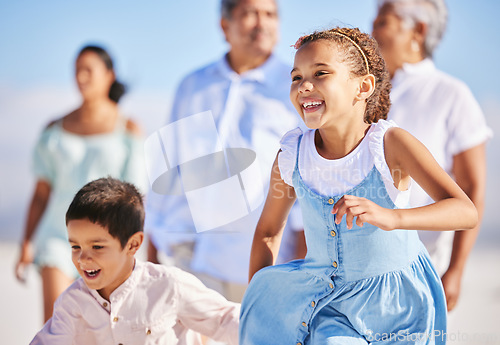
[(155, 305)]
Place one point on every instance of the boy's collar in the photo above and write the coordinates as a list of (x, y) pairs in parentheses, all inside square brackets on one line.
[(125, 288)]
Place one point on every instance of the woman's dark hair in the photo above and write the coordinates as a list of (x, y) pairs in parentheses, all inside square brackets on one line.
[(378, 104), (111, 203), (117, 89)]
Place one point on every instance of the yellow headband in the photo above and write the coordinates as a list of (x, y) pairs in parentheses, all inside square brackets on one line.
[(357, 46)]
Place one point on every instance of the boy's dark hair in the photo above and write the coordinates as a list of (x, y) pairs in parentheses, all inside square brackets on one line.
[(111, 203)]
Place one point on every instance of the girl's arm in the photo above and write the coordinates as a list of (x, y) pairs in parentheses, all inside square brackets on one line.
[(267, 237), (35, 212), (407, 157)]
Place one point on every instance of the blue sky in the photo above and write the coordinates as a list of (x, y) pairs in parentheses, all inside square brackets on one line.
[(154, 43)]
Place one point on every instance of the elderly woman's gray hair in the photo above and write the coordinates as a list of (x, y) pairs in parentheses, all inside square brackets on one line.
[(431, 12)]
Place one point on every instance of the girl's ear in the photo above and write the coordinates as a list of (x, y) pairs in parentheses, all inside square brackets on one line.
[(134, 242), (366, 87)]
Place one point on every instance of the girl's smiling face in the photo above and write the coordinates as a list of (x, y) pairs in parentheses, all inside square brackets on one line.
[(322, 88), (99, 257)]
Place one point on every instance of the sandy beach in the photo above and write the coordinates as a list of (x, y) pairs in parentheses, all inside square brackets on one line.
[(474, 322)]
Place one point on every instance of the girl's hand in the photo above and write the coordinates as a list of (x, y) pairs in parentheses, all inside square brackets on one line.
[(25, 259), (366, 211)]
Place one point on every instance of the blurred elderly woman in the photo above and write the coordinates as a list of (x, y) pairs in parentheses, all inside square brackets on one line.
[(441, 112)]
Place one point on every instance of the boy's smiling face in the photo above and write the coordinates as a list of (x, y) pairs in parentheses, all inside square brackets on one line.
[(99, 257)]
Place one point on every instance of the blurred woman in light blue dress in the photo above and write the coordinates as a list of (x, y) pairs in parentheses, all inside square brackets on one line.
[(92, 141)]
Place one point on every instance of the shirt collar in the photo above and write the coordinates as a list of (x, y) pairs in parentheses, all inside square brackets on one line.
[(127, 286), (262, 74), (426, 66)]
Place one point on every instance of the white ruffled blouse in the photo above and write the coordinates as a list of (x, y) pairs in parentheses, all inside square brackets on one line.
[(330, 177)]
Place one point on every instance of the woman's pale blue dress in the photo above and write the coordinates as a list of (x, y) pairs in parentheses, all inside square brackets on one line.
[(358, 286), (68, 161)]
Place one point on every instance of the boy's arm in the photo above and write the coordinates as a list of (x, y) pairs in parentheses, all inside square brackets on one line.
[(205, 310), (59, 329)]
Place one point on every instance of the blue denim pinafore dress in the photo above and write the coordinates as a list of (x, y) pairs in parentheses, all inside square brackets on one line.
[(358, 286)]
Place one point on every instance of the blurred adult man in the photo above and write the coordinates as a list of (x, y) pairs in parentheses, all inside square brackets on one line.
[(247, 94)]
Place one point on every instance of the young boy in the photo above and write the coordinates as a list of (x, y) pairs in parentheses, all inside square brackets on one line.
[(121, 300)]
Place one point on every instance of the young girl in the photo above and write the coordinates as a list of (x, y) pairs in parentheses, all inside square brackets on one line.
[(364, 279), (93, 141)]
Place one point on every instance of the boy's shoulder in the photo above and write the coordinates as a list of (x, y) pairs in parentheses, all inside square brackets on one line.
[(151, 271), (169, 277)]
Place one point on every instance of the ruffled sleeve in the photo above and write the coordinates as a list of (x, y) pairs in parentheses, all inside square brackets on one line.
[(288, 155), (42, 164), (376, 145)]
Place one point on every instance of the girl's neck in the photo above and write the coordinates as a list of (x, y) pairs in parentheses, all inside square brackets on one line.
[(337, 142)]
